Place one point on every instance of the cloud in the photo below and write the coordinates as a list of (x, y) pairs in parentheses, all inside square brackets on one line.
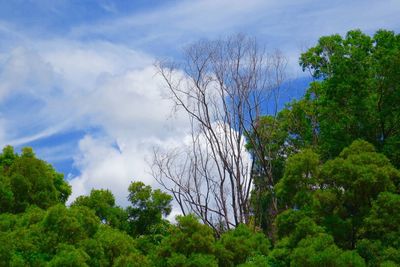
[(160, 29), (132, 112), (25, 72), (104, 166), (274, 17), (70, 85), (291, 26), (131, 104)]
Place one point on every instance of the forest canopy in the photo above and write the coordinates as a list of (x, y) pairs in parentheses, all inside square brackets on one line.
[(325, 177)]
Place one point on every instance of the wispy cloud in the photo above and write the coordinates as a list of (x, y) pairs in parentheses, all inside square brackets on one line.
[(290, 26)]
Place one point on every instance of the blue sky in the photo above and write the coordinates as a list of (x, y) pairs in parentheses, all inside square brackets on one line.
[(77, 81)]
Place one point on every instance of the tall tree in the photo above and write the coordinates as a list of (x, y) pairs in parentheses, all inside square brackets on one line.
[(223, 86), (356, 91)]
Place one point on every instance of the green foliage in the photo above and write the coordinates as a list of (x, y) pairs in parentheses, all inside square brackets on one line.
[(147, 208), (376, 254), (296, 225), (236, 246), (26, 180), (256, 261), (69, 256), (353, 180), (349, 202), (132, 260), (269, 148), (6, 195), (189, 244), (60, 222), (62, 236), (383, 220), (114, 243), (299, 179), (7, 157), (357, 91), (103, 203), (320, 250), (354, 95)]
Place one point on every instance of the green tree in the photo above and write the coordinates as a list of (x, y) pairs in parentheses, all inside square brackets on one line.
[(6, 195), (356, 91), (383, 220), (69, 256), (189, 244), (26, 180), (147, 208), (349, 185), (103, 203), (115, 244), (338, 194), (299, 181), (132, 260), (321, 250), (381, 231), (62, 225), (7, 157), (240, 244), (266, 143)]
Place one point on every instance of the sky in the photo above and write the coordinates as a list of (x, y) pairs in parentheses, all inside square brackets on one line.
[(78, 84)]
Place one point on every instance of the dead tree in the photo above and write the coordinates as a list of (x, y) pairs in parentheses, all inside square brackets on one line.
[(223, 86)]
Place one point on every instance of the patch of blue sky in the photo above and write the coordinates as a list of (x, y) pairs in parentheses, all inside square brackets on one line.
[(17, 111), (59, 149), (57, 17), (293, 89)]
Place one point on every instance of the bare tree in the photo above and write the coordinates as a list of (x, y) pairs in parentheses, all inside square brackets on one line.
[(223, 86)]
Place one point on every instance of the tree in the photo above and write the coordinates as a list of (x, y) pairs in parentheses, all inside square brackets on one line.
[(115, 244), (7, 157), (59, 222), (147, 208), (269, 146), (299, 181), (69, 256), (37, 229), (189, 244), (26, 180), (383, 220), (239, 245), (103, 203), (322, 251), (355, 92), (348, 186), (222, 86)]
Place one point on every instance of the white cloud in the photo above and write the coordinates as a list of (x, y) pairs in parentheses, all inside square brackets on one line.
[(131, 110), (131, 104), (290, 26), (25, 72), (104, 166), (83, 85), (87, 61)]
